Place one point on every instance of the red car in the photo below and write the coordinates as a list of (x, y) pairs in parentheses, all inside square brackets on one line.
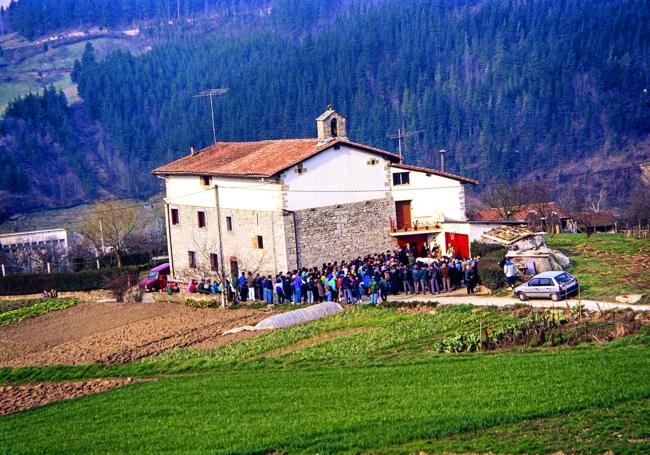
[(156, 279)]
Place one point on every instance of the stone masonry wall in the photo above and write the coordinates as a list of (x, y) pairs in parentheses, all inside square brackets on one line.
[(338, 232), (240, 243)]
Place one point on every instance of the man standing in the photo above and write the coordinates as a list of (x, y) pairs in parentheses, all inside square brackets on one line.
[(243, 288), (510, 271), (297, 286)]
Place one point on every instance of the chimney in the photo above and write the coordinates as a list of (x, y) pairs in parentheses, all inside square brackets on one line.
[(192, 151), (442, 159)]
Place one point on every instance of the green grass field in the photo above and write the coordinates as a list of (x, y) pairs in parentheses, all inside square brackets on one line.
[(341, 409), (52, 66), (607, 264), (364, 381)]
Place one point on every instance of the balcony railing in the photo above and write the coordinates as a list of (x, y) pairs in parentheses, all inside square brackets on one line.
[(420, 224)]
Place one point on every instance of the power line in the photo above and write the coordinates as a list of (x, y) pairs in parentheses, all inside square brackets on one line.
[(260, 187)]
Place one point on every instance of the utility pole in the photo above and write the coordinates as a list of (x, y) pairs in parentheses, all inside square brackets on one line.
[(401, 134), (210, 93)]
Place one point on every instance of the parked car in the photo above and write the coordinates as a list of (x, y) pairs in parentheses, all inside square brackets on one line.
[(156, 279), (553, 285)]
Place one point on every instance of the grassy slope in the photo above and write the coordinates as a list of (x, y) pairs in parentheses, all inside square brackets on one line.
[(607, 264), (55, 64), (621, 428), (70, 217), (313, 409), (376, 386)]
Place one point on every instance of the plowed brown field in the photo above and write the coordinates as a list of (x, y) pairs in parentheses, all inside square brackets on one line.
[(117, 333)]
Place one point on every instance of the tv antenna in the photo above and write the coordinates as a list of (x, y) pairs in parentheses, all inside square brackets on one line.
[(401, 134), (210, 93)]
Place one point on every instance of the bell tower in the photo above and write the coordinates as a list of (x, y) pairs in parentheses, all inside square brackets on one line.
[(330, 125)]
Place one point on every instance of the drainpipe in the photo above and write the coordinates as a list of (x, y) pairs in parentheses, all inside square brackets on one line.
[(170, 250), (221, 263)]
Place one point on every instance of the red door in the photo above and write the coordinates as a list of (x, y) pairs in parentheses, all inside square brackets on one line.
[(403, 214), (460, 242)]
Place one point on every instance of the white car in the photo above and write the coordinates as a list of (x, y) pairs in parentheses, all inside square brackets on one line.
[(553, 285)]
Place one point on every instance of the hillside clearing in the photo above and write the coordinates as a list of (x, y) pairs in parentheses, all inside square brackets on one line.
[(607, 265)]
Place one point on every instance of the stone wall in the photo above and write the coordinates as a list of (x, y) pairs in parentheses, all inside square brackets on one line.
[(240, 243), (344, 231)]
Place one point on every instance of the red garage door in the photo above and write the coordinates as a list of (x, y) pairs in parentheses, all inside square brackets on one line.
[(460, 242)]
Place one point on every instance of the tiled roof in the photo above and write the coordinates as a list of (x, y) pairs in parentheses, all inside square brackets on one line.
[(597, 219), (255, 159), (435, 172), (520, 212)]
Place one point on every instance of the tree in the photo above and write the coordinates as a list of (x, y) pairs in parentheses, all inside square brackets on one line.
[(112, 229), (637, 211)]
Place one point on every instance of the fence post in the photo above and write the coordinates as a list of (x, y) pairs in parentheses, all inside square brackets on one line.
[(49, 268), (98, 264), (4, 272)]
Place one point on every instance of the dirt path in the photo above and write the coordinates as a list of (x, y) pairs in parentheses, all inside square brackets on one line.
[(116, 333), (22, 397), (483, 300)]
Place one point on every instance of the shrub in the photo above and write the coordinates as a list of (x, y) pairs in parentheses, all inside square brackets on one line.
[(489, 270), (483, 249), (87, 280)]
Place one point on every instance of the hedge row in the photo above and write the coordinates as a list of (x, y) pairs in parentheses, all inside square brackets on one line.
[(86, 280)]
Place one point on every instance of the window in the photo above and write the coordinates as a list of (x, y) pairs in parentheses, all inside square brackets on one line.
[(201, 217), (334, 127), (401, 178), (228, 223), (260, 242), (174, 216), (191, 259), (300, 169), (214, 262), (373, 161), (205, 180), (563, 278), (534, 282), (544, 281)]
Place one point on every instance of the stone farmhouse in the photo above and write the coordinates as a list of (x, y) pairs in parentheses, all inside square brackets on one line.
[(276, 205)]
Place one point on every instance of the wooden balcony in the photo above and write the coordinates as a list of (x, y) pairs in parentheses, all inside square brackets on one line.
[(419, 226)]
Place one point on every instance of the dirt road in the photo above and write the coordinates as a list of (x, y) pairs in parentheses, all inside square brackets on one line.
[(486, 300), (117, 333)]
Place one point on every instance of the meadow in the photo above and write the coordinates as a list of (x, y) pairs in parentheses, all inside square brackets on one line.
[(364, 381), (606, 265)]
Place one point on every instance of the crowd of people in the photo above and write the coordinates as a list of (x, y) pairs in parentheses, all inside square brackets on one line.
[(365, 279)]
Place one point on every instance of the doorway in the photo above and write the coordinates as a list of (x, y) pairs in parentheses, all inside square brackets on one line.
[(403, 214), (234, 268)]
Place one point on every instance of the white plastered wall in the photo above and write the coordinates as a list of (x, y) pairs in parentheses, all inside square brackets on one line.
[(431, 195), (234, 193), (336, 177)]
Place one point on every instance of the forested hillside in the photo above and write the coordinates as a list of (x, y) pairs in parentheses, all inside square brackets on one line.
[(33, 18), (52, 155), (509, 88)]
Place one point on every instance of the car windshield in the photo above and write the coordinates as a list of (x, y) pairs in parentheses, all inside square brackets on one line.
[(563, 278), (153, 275)]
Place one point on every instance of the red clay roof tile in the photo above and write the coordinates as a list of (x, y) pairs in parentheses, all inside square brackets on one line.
[(255, 159)]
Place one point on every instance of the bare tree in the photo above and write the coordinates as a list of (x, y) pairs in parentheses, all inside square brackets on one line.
[(112, 229), (637, 211), (596, 200), (504, 199)]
